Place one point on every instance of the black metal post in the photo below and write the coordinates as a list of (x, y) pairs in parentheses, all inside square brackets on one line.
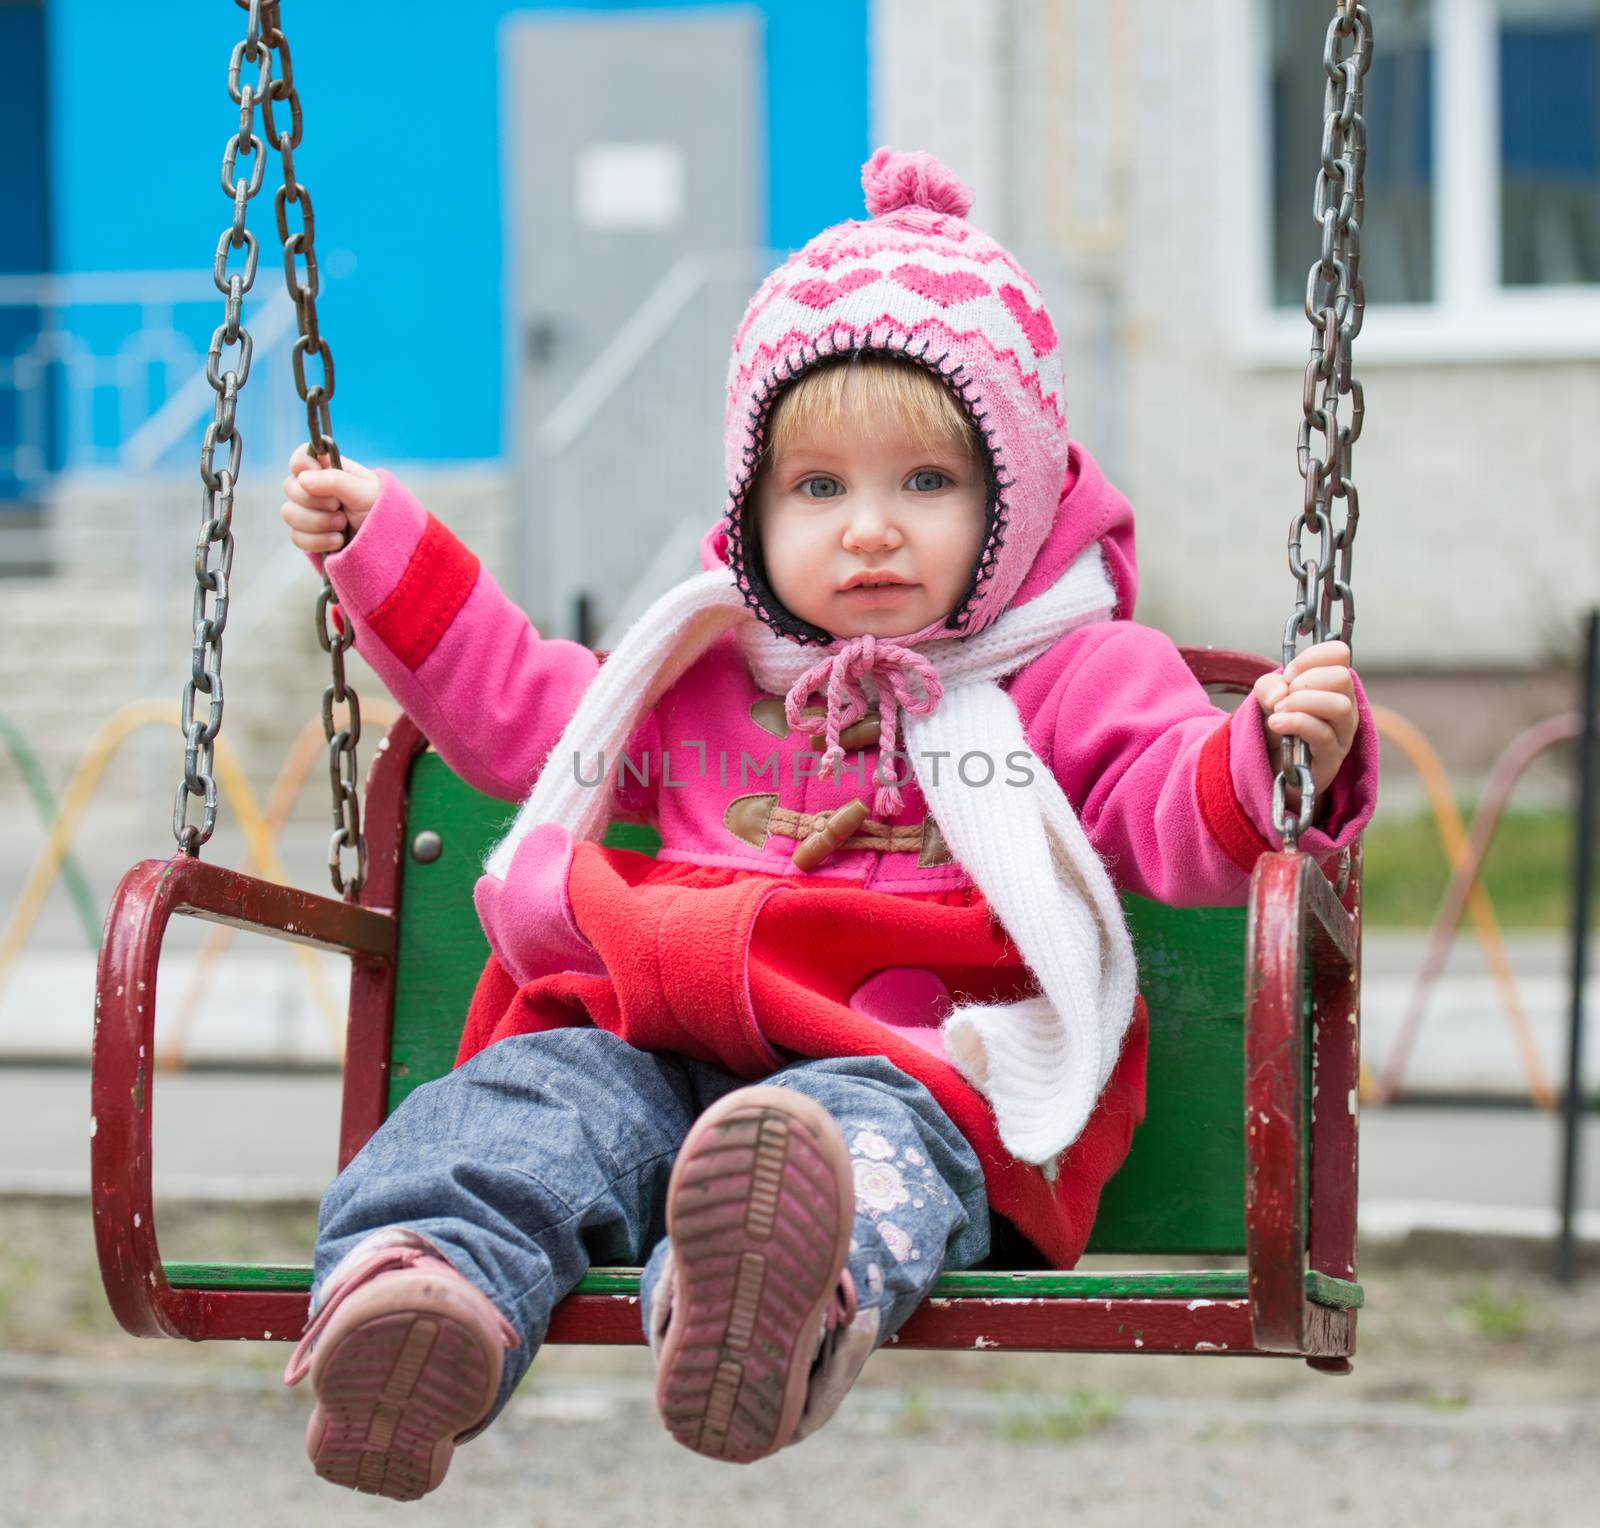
[(1582, 876)]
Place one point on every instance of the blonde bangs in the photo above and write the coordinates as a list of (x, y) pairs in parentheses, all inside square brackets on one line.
[(876, 393)]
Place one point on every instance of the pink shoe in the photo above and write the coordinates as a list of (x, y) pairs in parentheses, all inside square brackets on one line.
[(759, 1209), (407, 1362)]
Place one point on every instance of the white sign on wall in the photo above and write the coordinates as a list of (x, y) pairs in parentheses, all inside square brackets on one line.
[(630, 187)]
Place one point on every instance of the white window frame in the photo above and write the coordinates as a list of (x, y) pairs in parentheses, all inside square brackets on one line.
[(1472, 317)]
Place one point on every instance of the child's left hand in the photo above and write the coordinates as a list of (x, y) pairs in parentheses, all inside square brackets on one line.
[(1314, 699)]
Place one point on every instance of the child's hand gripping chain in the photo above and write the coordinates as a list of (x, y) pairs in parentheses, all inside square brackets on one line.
[(1314, 698), (321, 500)]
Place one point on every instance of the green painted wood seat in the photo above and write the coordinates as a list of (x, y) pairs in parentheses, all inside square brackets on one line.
[(1182, 1187)]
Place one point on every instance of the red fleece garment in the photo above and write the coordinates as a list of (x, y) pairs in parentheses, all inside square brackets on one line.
[(749, 970), (1219, 804), (435, 585)]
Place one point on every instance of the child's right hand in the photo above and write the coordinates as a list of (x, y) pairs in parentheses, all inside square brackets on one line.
[(322, 499)]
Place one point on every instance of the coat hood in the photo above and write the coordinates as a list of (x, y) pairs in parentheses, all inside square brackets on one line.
[(917, 282)]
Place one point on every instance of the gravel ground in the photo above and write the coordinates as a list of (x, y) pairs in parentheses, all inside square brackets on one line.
[(1475, 1401)]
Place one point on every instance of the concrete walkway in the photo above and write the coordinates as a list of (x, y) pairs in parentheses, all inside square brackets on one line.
[(87, 1446), (1474, 1403)]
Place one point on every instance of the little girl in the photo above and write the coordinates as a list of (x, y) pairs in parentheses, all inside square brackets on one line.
[(894, 737)]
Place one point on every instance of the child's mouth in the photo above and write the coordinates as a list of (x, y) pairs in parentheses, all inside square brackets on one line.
[(878, 594)]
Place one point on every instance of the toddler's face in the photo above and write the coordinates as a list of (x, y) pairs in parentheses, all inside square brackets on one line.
[(870, 535)]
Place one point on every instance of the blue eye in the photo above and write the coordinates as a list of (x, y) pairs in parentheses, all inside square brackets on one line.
[(919, 480), (831, 488)]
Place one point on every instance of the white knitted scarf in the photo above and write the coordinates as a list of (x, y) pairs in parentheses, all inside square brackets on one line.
[(1042, 1061)]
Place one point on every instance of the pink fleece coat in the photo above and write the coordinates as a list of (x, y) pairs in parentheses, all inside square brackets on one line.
[(1174, 795)]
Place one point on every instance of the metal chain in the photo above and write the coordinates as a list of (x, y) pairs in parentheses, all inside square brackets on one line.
[(334, 635), (213, 556), (1334, 305)]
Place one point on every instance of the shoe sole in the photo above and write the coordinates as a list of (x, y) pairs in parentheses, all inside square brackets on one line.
[(396, 1390), (759, 1209)]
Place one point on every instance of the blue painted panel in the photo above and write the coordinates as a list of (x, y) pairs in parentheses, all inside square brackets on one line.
[(817, 106), (25, 230), (403, 157)]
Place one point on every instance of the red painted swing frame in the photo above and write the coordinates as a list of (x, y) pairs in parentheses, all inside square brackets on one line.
[(1297, 922)]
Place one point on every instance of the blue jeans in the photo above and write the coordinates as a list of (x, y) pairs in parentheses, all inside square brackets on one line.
[(546, 1154)]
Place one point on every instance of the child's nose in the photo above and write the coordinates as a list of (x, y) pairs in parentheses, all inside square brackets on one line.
[(870, 529)]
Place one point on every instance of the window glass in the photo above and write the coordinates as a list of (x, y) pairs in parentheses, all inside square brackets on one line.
[(1549, 141), (1397, 230)]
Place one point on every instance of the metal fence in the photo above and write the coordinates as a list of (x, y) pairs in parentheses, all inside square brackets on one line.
[(104, 372)]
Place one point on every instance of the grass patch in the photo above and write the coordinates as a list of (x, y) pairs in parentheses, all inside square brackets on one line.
[(1528, 872), (1499, 1317), (19, 1276), (1081, 1413), (914, 1419)]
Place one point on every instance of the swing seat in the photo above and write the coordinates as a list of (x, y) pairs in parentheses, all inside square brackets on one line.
[(1233, 1156)]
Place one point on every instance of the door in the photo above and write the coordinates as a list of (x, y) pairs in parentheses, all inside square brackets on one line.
[(636, 142)]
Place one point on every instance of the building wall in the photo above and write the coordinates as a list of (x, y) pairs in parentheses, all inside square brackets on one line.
[(404, 155), (1100, 145), (1106, 144), (25, 240)]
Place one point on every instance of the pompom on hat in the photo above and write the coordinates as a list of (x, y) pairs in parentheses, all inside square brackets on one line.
[(892, 181), (918, 282)]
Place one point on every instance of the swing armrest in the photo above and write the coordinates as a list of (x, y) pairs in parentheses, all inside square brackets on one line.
[(1296, 925), (1299, 929), (123, 1072)]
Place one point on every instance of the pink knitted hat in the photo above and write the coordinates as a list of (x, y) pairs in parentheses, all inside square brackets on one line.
[(917, 282)]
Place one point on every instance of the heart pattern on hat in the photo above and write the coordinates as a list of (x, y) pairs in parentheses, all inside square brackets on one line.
[(1035, 322), (943, 287), (817, 293)]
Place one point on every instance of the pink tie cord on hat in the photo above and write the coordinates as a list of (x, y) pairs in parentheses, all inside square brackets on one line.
[(840, 677)]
